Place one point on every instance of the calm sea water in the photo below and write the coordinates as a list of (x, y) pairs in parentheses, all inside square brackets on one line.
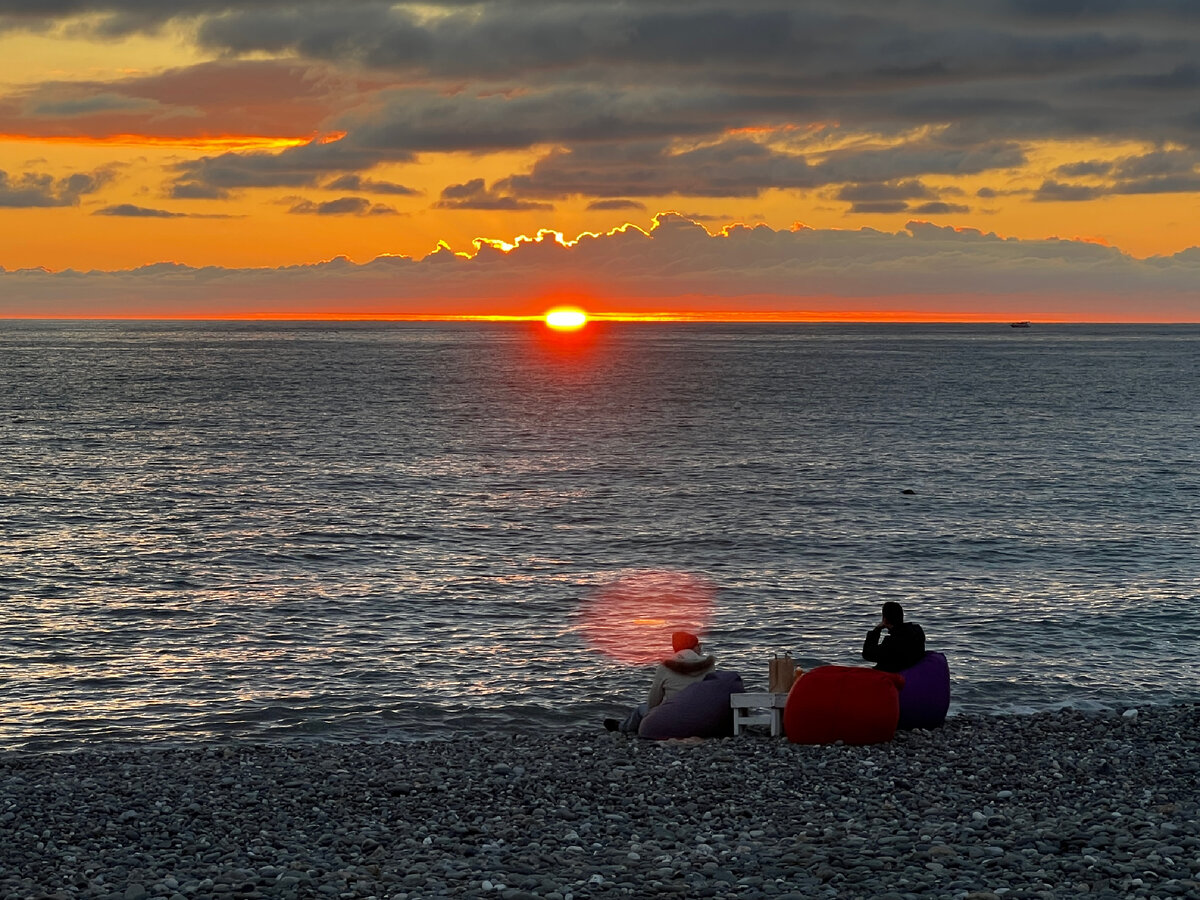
[(386, 531)]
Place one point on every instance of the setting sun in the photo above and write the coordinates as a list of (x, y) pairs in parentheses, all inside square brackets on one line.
[(566, 319)]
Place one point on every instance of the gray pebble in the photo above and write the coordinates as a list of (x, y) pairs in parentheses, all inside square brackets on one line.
[(983, 807)]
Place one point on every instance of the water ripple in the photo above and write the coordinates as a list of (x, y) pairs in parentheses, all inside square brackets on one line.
[(387, 531)]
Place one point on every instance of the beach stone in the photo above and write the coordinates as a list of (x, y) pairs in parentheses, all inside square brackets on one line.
[(879, 821)]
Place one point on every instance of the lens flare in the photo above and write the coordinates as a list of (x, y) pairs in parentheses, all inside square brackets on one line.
[(632, 618), (566, 318)]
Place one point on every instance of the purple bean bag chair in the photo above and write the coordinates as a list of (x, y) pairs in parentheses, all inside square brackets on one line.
[(851, 704), (925, 697), (699, 710)]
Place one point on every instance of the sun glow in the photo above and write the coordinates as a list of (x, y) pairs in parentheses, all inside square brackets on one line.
[(632, 618), (566, 318)]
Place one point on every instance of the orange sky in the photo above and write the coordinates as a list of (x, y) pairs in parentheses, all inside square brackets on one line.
[(224, 142)]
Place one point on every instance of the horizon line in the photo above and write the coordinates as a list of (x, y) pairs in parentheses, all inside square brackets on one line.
[(757, 318)]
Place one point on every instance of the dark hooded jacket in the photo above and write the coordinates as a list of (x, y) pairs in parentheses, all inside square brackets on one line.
[(676, 673), (904, 647)]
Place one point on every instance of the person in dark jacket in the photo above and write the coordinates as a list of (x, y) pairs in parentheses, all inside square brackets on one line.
[(903, 647)]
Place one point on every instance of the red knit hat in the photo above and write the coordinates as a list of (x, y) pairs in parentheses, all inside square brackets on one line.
[(684, 640)]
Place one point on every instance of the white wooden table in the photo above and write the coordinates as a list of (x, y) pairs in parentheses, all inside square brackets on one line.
[(758, 709)]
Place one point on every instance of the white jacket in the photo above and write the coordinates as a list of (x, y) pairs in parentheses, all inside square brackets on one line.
[(674, 674)]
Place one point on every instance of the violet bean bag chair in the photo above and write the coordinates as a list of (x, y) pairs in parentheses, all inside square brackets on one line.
[(852, 704), (925, 697), (699, 710)]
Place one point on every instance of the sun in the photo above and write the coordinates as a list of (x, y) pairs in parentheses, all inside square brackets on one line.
[(566, 318)]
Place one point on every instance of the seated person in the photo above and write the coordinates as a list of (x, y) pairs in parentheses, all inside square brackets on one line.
[(903, 647), (673, 674)]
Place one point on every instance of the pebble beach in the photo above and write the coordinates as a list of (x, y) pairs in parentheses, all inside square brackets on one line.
[(1060, 804)]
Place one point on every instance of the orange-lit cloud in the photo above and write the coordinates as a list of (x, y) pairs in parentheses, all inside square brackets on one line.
[(675, 270)]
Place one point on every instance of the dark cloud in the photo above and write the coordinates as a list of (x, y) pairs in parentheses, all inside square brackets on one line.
[(703, 217), (475, 195), (1157, 172), (614, 145), (35, 189), (112, 18), (300, 166), (473, 188), (193, 190), (984, 62), (1158, 163), (940, 208), (619, 204), (655, 98), (223, 97), (343, 206), (1084, 169), (877, 192), (728, 168), (370, 186), (1057, 191), (741, 167), (1181, 183), (880, 206), (921, 157), (927, 231), (137, 212), (762, 43), (413, 120), (104, 102), (130, 211), (1092, 11)]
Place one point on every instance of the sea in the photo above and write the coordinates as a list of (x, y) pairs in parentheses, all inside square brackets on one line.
[(392, 531)]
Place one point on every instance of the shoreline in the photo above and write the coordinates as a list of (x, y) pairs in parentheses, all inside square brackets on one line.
[(391, 732), (1053, 804)]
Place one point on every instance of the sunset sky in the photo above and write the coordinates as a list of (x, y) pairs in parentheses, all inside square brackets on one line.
[(763, 159)]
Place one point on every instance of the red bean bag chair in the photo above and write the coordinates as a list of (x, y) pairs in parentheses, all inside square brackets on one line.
[(699, 710), (852, 704), (925, 697)]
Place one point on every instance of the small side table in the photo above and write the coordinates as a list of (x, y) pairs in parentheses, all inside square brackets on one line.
[(758, 709)]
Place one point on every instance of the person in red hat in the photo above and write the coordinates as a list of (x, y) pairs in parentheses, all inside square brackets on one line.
[(687, 666)]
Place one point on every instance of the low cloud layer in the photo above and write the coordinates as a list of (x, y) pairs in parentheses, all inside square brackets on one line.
[(676, 268)]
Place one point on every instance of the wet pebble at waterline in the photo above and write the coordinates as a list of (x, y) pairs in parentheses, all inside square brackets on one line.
[(1051, 805)]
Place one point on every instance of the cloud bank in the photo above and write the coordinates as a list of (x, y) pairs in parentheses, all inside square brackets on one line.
[(650, 99), (677, 267)]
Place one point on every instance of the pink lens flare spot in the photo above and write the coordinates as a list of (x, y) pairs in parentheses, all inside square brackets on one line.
[(632, 619)]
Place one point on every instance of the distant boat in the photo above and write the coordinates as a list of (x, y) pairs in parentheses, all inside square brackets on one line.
[(1019, 324)]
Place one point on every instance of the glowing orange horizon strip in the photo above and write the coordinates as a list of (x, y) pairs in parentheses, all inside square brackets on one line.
[(848, 317)]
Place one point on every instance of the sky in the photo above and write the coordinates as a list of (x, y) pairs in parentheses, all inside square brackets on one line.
[(846, 160)]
